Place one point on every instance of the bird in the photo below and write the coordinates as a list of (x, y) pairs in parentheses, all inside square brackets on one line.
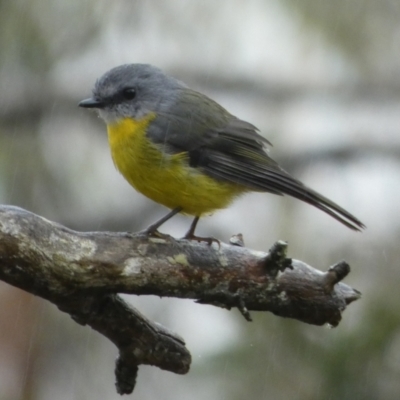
[(185, 151)]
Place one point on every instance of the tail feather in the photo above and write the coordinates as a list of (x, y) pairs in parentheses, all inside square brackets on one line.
[(264, 174), (324, 204), (286, 184)]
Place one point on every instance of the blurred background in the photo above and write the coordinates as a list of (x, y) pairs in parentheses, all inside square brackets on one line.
[(322, 82)]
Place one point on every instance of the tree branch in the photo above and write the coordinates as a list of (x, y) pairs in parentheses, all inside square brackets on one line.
[(82, 272)]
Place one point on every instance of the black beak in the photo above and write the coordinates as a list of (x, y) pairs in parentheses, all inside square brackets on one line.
[(91, 103)]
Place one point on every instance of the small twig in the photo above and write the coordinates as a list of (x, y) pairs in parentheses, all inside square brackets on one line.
[(237, 240), (126, 372), (276, 260), (242, 308), (335, 274)]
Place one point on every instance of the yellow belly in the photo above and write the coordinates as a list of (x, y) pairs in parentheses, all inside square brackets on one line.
[(166, 179)]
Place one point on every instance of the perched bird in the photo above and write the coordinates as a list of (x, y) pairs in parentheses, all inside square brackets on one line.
[(183, 150)]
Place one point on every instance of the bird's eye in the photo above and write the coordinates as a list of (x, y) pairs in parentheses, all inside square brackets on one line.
[(129, 93)]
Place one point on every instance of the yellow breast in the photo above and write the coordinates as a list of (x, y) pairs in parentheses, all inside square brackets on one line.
[(165, 178)]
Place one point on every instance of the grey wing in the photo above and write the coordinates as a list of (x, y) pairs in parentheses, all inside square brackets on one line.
[(229, 149), (217, 142), (190, 120)]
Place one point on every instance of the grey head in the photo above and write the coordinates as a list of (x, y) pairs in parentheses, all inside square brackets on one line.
[(132, 90)]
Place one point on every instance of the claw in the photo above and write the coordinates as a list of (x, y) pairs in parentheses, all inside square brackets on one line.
[(209, 240), (191, 236), (154, 234)]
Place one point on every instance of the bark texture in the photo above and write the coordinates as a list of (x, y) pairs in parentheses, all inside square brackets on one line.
[(82, 273)]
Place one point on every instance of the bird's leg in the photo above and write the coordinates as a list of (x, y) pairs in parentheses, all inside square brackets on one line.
[(152, 229), (191, 236), (190, 232)]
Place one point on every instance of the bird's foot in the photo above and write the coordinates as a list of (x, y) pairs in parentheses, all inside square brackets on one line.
[(154, 233), (191, 236), (208, 240)]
